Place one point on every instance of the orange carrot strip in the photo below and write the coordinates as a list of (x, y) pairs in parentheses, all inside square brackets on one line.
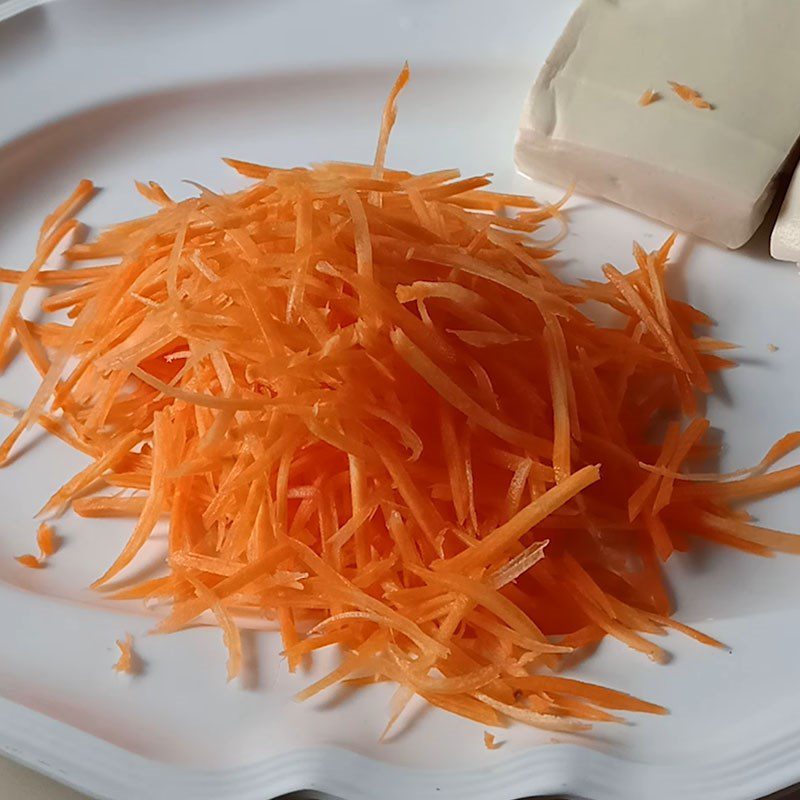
[(530, 516), (47, 540), (29, 561), (126, 661)]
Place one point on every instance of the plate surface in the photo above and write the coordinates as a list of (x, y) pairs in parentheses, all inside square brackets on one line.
[(152, 90)]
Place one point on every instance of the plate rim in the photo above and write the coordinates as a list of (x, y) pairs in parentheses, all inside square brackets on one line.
[(103, 770)]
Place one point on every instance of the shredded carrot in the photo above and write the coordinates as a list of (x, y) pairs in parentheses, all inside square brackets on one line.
[(30, 561), (9, 409), (648, 97), (230, 633), (47, 540), (489, 741), (127, 658), (368, 411), (689, 95)]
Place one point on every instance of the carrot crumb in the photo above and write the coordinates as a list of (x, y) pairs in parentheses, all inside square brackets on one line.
[(127, 658), (489, 741), (29, 561), (47, 540), (689, 95), (648, 97)]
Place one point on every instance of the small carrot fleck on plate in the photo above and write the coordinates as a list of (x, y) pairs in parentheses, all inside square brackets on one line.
[(47, 540), (648, 97), (689, 95), (490, 742), (29, 561), (127, 659)]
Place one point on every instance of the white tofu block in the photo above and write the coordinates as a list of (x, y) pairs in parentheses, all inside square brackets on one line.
[(704, 171), (784, 244)]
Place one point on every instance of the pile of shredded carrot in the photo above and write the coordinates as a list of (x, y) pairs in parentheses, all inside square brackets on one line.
[(371, 413)]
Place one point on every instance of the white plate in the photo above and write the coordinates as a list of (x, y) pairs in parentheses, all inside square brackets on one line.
[(151, 89)]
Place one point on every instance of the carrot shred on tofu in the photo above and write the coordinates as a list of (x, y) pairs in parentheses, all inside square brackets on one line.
[(126, 662), (369, 412)]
